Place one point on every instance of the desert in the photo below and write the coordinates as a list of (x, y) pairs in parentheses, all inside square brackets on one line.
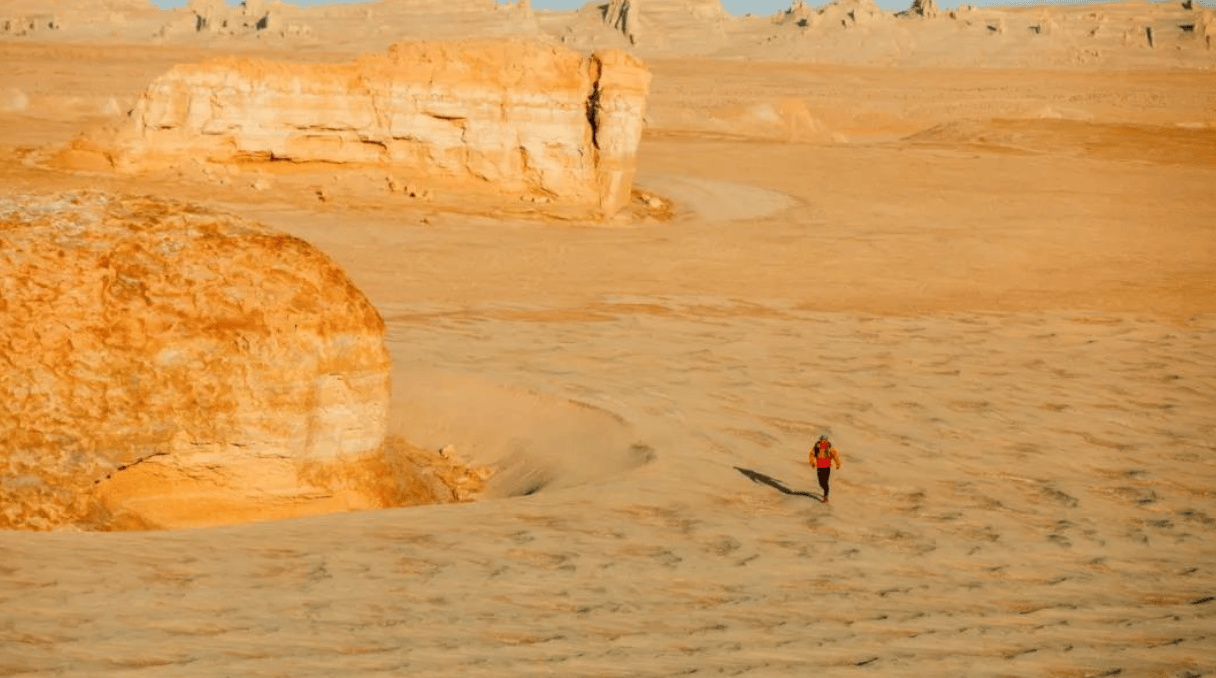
[(463, 338)]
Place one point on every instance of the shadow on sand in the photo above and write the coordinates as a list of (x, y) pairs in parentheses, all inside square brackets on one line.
[(757, 477)]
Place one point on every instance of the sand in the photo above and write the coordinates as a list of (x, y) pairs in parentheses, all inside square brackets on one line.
[(994, 288)]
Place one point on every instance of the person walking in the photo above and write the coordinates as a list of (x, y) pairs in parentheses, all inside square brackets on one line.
[(822, 456)]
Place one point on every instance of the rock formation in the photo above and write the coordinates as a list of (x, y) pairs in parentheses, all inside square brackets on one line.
[(1205, 29), (621, 16), (28, 24), (503, 118), (838, 14), (165, 366), (798, 14), (925, 8), (847, 13), (217, 16)]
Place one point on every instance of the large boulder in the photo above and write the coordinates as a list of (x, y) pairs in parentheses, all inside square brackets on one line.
[(165, 366), (504, 118)]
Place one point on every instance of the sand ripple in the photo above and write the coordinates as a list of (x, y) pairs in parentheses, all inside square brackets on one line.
[(1021, 496)]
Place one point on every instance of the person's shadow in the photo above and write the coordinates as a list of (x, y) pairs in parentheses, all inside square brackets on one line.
[(757, 477)]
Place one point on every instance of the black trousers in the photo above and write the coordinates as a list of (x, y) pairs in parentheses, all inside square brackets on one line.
[(824, 475)]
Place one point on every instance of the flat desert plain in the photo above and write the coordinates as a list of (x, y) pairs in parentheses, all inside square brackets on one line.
[(994, 287)]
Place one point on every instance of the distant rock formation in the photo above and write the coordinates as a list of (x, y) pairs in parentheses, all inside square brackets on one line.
[(506, 118), (688, 26), (653, 27), (217, 16), (1205, 29), (839, 14), (29, 24), (847, 13), (925, 8), (797, 13), (621, 16), (165, 366)]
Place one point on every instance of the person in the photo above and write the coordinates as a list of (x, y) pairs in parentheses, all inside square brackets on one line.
[(822, 456)]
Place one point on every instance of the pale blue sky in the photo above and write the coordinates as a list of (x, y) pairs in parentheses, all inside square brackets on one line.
[(739, 7)]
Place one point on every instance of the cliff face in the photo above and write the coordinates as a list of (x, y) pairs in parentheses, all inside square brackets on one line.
[(511, 118), (164, 366)]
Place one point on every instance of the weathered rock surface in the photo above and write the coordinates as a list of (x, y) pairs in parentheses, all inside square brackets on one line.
[(620, 16), (925, 8), (849, 13), (681, 26), (164, 366), (506, 118), (837, 14)]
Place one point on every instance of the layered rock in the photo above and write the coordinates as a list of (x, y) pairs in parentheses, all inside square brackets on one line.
[(505, 118), (164, 366)]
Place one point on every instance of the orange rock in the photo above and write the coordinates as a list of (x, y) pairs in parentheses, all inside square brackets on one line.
[(166, 366)]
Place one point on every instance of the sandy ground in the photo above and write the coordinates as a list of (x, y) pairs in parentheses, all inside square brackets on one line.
[(995, 289)]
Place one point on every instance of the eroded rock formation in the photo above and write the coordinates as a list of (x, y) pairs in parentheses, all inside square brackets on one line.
[(848, 13), (620, 16), (925, 8), (28, 24), (840, 13), (165, 366), (1205, 29), (507, 118), (216, 16)]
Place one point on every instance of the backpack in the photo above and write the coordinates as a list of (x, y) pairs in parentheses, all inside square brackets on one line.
[(822, 446)]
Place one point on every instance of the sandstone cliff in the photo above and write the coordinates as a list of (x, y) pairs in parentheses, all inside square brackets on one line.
[(165, 366), (503, 118), (619, 15)]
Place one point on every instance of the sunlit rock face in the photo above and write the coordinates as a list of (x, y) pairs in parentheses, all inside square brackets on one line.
[(165, 366), (507, 118)]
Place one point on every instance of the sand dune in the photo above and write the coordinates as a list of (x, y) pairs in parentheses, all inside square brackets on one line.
[(985, 267)]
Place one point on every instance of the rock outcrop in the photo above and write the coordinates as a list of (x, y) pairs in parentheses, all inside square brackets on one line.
[(840, 13), (217, 16), (925, 8), (1205, 29), (164, 366), (29, 24), (620, 16), (848, 13), (514, 119)]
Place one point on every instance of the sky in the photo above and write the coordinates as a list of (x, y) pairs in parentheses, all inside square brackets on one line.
[(739, 7)]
